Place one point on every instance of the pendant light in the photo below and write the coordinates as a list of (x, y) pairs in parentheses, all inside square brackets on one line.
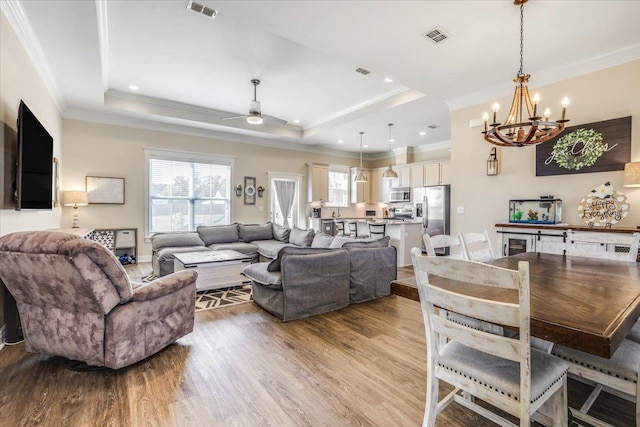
[(390, 173), (360, 176)]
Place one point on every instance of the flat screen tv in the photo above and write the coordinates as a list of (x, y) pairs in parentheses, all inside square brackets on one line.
[(34, 180)]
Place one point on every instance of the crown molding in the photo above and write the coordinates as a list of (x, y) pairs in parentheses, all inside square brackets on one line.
[(551, 75), (434, 146), (188, 129), (103, 40), (17, 17)]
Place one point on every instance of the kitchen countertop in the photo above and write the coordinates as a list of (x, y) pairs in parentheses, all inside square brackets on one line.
[(389, 221)]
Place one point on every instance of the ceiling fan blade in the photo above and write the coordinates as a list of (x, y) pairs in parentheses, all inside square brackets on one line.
[(234, 117), (274, 119)]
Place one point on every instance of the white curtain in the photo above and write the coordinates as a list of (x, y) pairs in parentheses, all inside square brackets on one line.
[(285, 191)]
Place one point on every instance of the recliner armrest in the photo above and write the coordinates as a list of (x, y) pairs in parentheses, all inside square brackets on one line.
[(164, 285)]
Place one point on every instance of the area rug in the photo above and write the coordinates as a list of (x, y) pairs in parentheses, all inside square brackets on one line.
[(217, 298)]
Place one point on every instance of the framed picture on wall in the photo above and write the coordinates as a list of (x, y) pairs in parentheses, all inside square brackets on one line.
[(249, 190), (105, 190)]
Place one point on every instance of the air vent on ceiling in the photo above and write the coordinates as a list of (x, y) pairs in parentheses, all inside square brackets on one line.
[(363, 71), (200, 8), (437, 35), (433, 126)]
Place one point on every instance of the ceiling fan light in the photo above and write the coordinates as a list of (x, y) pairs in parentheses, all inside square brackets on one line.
[(390, 174), (255, 119)]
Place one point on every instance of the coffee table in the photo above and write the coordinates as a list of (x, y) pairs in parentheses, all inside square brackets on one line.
[(216, 269)]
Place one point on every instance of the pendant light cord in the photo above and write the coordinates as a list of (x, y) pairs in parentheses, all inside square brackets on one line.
[(361, 133), (521, 38), (390, 124)]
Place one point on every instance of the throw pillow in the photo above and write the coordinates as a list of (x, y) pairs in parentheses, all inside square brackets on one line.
[(211, 234), (281, 233), (321, 240), (300, 237), (338, 241), (252, 232), (276, 263), (379, 243)]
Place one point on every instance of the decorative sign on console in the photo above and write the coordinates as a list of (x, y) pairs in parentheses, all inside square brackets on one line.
[(603, 207)]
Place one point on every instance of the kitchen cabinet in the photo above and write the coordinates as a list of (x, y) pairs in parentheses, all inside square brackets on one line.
[(437, 173), (404, 176), (318, 182), (360, 191), (416, 176), (375, 186)]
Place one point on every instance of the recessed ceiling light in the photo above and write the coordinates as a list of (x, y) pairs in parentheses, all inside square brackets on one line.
[(134, 87), (365, 146), (392, 140), (340, 141), (388, 79), (423, 133), (296, 121)]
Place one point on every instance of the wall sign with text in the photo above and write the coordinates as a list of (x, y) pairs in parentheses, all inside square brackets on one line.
[(591, 147), (603, 207)]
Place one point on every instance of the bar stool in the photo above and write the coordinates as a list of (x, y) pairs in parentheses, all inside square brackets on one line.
[(340, 227), (377, 229), (353, 230)]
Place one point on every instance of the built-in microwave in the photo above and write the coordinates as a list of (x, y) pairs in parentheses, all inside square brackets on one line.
[(399, 194)]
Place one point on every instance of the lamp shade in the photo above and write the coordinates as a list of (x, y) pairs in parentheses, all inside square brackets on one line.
[(632, 174), (390, 174), (75, 198), (360, 176)]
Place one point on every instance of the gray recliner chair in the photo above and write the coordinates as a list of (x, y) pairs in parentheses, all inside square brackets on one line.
[(75, 300)]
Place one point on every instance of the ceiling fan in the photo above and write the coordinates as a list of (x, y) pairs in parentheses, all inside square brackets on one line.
[(255, 116)]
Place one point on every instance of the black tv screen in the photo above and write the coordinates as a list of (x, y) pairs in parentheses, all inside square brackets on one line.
[(34, 181)]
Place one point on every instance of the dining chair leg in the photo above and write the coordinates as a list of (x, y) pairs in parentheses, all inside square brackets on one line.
[(431, 404), (638, 404), (560, 406)]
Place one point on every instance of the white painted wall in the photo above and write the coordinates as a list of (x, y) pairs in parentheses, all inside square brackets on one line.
[(602, 95)]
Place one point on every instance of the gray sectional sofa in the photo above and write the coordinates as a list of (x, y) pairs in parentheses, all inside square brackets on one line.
[(262, 241), (303, 282)]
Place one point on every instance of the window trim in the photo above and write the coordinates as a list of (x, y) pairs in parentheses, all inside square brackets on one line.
[(347, 171), (183, 156)]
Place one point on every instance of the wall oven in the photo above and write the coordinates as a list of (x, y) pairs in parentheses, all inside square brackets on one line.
[(399, 194)]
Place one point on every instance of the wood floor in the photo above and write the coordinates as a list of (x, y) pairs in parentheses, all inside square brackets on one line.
[(363, 365)]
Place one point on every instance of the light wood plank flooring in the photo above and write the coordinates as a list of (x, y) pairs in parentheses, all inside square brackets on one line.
[(363, 365)]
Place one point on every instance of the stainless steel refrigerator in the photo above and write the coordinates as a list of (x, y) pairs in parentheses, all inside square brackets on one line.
[(432, 207)]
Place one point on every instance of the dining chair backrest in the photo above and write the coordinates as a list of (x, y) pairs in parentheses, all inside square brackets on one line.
[(353, 228), (341, 230), (478, 246), (442, 241), (614, 246)]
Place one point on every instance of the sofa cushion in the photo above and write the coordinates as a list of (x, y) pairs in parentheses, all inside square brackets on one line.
[(211, 234), (300, 237), (166, 254), (321, 240), (258, 273), (163, 240), (281, 233), (338, 241), (251, 232), (269, 248), (242, 247), (276, 263), (378, 243)]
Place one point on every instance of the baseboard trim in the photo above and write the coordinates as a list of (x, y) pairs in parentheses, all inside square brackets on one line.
[(4, 327)]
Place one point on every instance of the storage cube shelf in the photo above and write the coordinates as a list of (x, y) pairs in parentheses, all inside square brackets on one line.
[(123, 242)]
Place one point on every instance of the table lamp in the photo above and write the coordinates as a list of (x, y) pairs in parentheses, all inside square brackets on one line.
[(75, 199)]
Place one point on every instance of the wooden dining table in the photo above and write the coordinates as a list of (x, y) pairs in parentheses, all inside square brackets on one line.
[(588, 304)]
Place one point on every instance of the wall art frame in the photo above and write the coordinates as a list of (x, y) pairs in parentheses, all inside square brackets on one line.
[(616, 135), (249, 190), (105, 190)]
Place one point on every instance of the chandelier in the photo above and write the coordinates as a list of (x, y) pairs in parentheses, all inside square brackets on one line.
[(390, 173), (523, 127)]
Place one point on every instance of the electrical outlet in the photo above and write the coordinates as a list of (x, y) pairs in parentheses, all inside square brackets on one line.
[(460, 209)]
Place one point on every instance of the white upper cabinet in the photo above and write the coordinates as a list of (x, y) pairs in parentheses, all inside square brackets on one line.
[(318, 177), (360, 191)]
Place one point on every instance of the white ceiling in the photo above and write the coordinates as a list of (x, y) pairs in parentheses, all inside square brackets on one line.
[(192, 70)]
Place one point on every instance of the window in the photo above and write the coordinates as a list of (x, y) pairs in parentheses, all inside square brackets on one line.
[(185, 191), (338, 187), (275, 212)]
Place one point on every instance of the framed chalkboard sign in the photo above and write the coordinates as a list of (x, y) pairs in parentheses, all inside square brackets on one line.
[(591, 147)]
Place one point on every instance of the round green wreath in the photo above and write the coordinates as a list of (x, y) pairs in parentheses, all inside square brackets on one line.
[(593, 149)]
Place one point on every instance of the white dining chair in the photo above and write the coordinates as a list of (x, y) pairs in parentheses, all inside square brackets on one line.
[(618, 376), (478, 246), (614, 246), (444, 241), (502, 371)]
